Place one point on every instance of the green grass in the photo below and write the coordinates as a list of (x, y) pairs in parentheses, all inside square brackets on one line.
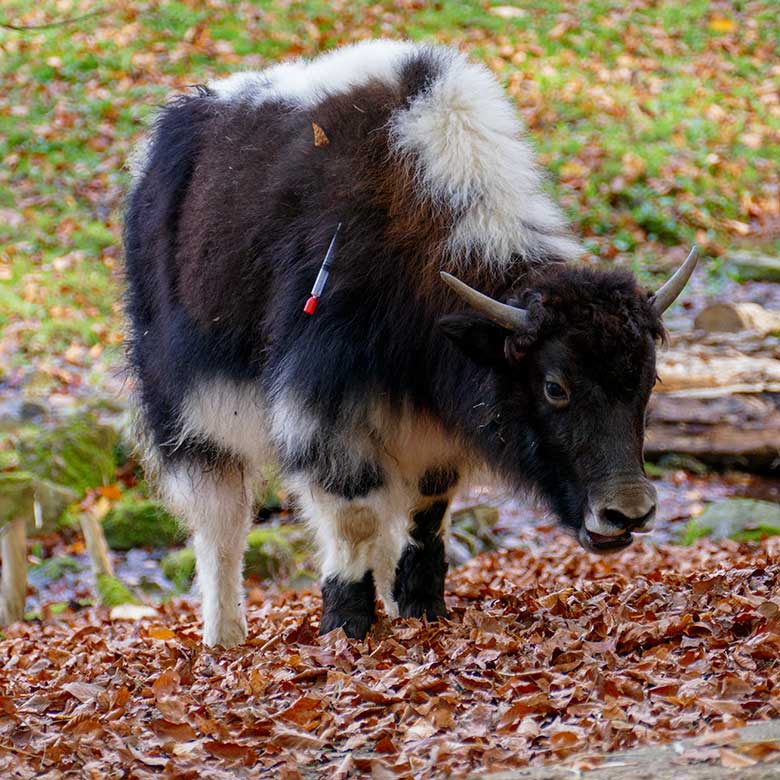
[(657, 125)]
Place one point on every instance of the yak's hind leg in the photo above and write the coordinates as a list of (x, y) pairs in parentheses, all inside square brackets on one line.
[(216, 504)]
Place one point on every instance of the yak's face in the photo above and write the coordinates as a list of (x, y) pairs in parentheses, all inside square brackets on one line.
[(570, 379), (587, 412)]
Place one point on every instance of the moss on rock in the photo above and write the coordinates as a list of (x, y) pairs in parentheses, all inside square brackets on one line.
[(179, 567), (754, 266), (55, 568), (273, 551), (271, 496), (472, 532), (741, 519), (140, 522), (112, 592), (78, 453), (21, 491)]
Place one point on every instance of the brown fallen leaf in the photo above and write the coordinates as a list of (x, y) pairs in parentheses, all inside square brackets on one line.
[(733, 760), (84, 691), (7, 705), (172, 708), (385, 745), (181, 732), (230, 751), (320, 139), (302, 711), (166, 683), (295, 739), (160, 632)]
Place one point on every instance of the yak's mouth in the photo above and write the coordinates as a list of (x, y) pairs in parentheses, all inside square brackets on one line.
[(601, 544)]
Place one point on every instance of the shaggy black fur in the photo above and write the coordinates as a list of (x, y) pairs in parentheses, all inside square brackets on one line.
[(437, 481), (225, 232), (332, 469), (419, 577), (349, 605)]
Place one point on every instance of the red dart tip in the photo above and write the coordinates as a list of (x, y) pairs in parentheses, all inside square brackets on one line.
[(311, 305)]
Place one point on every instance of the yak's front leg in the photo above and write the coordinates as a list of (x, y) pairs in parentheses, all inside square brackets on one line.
[(216, 505), (422, 568), (346, 530), (420, 573)]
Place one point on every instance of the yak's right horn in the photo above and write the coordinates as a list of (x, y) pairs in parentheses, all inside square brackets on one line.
[(509, 317)]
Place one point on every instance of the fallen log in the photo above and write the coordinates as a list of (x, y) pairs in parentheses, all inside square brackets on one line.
[(717, 402), (737, 318), (718, 427)]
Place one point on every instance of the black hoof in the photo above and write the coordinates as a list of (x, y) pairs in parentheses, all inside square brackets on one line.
[(432, 610), (348, 605), (355, 626)]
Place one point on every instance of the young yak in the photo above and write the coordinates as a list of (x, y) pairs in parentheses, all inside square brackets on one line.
[(379, 402)]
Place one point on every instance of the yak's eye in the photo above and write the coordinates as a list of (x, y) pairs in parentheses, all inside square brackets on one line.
[(556, 394)]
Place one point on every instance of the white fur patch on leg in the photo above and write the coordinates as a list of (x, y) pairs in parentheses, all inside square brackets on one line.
[(217, 507), (346, 532)]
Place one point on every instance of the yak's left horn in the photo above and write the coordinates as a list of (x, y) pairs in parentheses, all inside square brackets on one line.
[(668, 293), (509, 317)]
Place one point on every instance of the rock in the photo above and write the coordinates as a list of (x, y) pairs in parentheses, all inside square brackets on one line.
[(54, 568), (674, 461), (742, 519), (78, 452), (135, 521), (754, 266), (471, 532), (133, 612), (738, 317), (112, 592), (272, 552), (39, 501), (14, 411), (179, 567), (507, 11)]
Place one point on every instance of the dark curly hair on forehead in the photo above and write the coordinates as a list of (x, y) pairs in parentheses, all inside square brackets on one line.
[(606, 307), (603, 315)]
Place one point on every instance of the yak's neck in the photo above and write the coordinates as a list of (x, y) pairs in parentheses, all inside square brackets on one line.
[(464, 399)]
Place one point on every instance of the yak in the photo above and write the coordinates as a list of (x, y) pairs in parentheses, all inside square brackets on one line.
[(454, 335)]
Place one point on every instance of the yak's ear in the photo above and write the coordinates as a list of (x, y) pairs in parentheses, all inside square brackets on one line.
[(482, 340)]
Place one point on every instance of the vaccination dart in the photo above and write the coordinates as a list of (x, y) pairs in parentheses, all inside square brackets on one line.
[(322, 277)]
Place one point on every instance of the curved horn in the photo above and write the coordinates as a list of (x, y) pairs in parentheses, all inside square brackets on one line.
[(668, 293), (502, 314)]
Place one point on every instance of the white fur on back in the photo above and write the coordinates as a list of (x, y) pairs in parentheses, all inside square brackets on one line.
[(467, 141), (462, 134), (308, 81)]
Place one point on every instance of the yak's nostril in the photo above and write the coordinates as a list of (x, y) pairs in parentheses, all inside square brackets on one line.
[(616, 518)]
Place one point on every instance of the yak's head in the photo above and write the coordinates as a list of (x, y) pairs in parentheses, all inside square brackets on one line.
[(572, 361)]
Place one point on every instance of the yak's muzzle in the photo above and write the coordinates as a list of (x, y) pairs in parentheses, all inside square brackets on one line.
[(616, 513)]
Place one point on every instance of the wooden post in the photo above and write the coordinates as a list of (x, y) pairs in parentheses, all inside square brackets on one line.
[(13, 588), (96, 545)]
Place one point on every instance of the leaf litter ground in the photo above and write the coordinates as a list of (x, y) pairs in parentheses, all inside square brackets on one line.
[(550, 655)]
